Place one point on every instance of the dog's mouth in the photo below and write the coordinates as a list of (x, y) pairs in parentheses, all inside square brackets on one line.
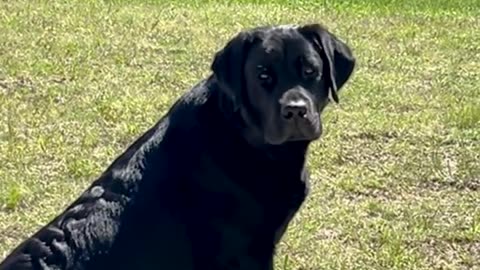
[(307, 128), (297, 117)]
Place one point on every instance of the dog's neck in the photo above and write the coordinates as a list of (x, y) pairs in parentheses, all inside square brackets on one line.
[(233, 121)]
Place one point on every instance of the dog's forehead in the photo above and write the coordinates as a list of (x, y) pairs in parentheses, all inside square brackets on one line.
[(282, 31), (277, 41)]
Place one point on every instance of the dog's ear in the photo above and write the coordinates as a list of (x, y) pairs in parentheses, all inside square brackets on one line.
[(338, 56), (228, 66)]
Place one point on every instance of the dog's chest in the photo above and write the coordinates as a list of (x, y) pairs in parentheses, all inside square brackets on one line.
[(240, 221)]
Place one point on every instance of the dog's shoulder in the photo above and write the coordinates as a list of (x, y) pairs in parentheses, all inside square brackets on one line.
[(90, 225)]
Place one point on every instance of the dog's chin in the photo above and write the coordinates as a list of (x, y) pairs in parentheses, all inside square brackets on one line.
[(308, 134), (292, 138), (309, 137), (275, 140)]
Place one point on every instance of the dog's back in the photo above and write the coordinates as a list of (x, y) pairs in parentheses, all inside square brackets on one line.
[(130, 203)]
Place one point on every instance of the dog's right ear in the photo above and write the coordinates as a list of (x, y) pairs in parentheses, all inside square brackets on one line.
[(228, 66)]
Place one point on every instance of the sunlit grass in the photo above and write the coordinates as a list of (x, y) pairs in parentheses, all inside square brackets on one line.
[(396, 176)]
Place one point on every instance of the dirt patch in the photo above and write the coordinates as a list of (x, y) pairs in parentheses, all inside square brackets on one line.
[(381, 194), (384, 136), (438, 184), (442, 254)]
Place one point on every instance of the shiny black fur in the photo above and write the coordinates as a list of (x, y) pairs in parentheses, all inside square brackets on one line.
[(214, 184)]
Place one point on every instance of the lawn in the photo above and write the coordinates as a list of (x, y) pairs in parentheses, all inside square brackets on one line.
[(395, 178)]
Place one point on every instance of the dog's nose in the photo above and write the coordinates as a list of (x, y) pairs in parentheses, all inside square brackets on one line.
[(294, 110)]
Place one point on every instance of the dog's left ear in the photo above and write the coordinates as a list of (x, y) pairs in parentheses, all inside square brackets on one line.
[(339, 57)]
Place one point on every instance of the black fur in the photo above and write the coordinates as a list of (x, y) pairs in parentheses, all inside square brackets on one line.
[(213, 185)]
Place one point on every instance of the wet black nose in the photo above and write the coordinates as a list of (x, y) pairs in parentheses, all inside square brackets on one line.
[(294, 110)]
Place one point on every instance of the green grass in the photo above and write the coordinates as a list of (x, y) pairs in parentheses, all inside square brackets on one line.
[(396, 176)]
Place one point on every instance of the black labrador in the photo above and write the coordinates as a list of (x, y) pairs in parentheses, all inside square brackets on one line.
[(214, 184)]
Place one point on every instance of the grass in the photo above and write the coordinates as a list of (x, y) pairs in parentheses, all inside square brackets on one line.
[(396, 176)]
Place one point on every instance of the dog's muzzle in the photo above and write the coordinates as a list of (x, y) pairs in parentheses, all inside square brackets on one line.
[(297, 112)]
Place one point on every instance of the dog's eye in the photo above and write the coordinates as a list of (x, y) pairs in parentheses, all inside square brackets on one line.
[(264, 76), (309, 72)]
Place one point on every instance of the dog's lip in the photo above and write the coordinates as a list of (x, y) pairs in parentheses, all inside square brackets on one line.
[(305, 129), (308, 128), (309, 118), (297, 138)]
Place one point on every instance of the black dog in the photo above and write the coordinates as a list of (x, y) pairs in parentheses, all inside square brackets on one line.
[(214, 184)]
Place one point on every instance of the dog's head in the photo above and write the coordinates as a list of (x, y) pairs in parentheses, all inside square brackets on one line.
[(280, 79)]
